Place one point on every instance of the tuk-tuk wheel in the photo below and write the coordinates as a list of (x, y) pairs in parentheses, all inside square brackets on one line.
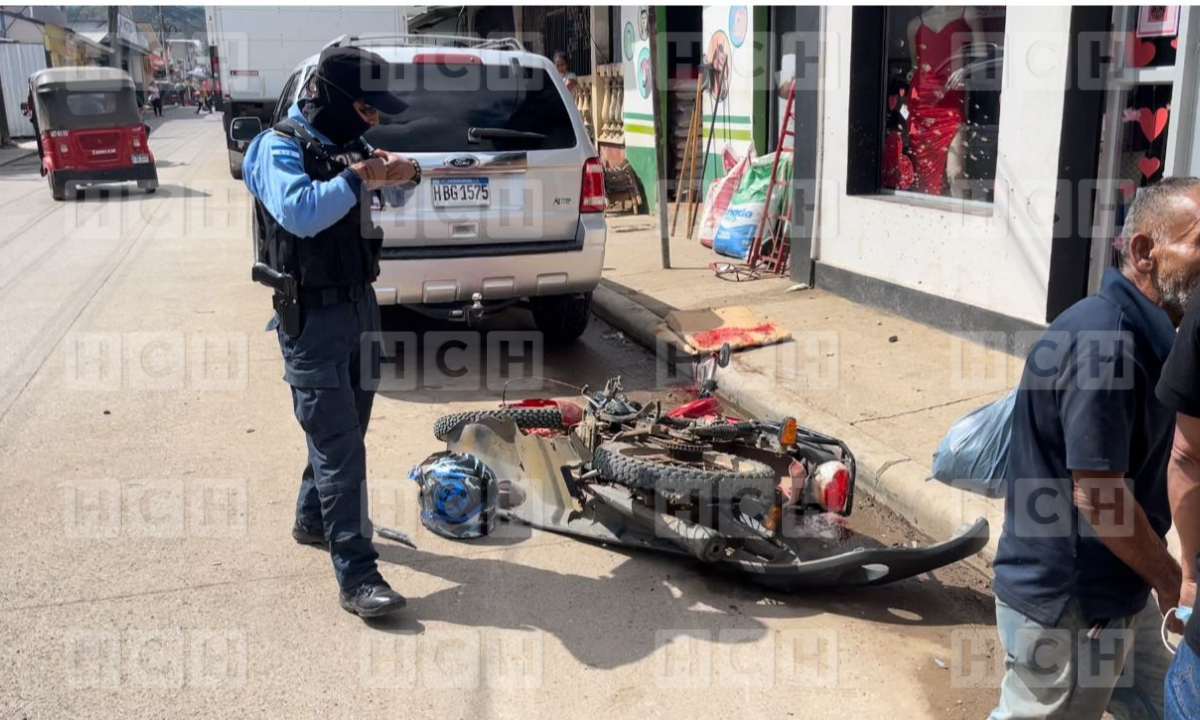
[(58, 190), (148, 185)]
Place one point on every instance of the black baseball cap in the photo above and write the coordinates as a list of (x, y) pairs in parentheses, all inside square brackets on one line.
[(360, 75)]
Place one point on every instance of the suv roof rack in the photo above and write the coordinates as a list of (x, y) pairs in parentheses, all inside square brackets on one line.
[(410, 40)]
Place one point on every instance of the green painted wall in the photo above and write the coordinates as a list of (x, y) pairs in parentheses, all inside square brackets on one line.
[(761, 86), (644, 164)]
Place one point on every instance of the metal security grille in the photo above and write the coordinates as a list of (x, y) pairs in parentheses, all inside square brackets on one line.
[(17, 63), (549, 29)]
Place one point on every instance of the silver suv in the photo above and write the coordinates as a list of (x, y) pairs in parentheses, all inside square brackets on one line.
[(511, 203)]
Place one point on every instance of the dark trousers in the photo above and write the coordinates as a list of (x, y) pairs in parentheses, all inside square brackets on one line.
[(156, 103), (330, 367)]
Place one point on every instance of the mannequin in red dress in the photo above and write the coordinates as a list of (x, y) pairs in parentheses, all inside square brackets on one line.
[(936, 131)]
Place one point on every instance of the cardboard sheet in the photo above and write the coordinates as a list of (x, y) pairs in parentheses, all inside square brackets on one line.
[(706, 329)]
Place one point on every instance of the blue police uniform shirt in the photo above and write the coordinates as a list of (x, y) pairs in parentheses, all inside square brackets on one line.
[(273, 170), (1086, 402)]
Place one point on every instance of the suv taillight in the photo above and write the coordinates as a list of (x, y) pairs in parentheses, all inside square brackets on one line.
[(592, 198)]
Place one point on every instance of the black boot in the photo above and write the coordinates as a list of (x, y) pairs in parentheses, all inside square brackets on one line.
[(371, 600), (307, 536)]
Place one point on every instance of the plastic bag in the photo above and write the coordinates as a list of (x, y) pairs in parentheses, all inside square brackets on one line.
[(716, 201), (735, 233), (973, 455)]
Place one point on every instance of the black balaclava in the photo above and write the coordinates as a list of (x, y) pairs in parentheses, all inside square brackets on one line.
[(332, 113), (345, 74)]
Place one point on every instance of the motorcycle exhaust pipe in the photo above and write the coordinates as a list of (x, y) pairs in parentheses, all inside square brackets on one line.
[(703, 543)]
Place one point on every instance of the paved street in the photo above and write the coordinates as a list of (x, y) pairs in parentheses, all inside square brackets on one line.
[(147, 485)]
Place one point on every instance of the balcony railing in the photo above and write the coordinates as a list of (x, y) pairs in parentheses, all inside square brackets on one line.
[(608, 103), (585, 100)]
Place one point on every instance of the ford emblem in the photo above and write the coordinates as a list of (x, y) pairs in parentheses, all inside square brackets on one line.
[(462, 162)]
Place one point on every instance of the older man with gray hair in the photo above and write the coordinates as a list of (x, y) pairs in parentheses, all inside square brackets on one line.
[(1086, 508)]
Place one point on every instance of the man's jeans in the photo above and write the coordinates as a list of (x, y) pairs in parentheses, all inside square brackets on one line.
[(1183, 686), (1059, 672)]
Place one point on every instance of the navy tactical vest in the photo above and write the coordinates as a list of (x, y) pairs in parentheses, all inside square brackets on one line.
[(343, 254)]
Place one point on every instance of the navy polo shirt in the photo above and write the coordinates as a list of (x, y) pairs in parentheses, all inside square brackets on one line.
[(1086, 402)]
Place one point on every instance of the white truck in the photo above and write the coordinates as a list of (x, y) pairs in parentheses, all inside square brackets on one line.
[(254, 49)]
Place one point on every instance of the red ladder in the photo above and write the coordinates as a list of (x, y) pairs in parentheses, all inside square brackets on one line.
[(774, 226)]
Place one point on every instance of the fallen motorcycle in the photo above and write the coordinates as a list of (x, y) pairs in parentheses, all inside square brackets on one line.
[(734, 493)]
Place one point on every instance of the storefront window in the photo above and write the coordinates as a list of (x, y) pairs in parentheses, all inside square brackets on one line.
[(942, 100), (1151, 38), (1142, 146)]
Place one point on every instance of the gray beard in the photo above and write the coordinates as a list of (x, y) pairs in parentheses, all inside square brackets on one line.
[(1174, 296)]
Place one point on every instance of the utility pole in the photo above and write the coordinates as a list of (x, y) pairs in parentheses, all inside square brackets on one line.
[(662, 126), (162, 32), (162, 41), (114, 59)]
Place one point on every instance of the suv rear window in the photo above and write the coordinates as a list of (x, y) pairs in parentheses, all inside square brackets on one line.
[(444, 101)]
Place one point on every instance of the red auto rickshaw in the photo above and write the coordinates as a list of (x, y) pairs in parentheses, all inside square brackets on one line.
[(90, 129)]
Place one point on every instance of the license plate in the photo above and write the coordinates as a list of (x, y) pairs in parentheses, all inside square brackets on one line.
[(141, 159), (461, 192)]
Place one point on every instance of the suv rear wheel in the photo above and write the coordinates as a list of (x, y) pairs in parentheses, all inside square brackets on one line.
[(562, 318)]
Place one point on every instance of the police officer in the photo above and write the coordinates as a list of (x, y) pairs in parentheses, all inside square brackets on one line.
[(312, 177)]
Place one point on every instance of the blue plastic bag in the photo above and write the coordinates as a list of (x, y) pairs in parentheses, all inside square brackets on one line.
[(973, 455)]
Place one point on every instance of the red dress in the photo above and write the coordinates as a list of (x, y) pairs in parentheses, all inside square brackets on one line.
[(935, 113)]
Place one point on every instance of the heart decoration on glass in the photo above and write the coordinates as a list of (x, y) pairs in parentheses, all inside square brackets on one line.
[(1152, 122), (1139, 53), (1149, 166)]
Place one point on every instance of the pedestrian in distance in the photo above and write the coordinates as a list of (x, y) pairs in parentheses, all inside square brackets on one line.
[(155, 100), (561, 65), (1087, 508), (312, 178)]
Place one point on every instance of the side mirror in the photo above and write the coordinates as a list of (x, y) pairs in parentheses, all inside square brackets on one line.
[(724, 355), (244, 129), (24, 107), (147, 129)]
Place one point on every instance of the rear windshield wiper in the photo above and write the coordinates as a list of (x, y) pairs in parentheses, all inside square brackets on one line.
[(474, 134)]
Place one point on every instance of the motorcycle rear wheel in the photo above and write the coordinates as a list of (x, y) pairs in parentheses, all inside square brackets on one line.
[(527, 418)]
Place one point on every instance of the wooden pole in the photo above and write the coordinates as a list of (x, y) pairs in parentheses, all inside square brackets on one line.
[(689, 150), (696, 185)]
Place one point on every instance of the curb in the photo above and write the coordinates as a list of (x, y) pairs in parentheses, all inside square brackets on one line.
[(21, 154), (886, 474)]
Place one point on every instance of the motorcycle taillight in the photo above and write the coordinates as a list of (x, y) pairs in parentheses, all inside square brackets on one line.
[(832, 480)]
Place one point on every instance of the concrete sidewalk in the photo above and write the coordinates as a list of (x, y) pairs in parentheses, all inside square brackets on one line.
[(13, 153), (887, 386)]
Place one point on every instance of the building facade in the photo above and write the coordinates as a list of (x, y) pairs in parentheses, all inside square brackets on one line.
[(975, 164)]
